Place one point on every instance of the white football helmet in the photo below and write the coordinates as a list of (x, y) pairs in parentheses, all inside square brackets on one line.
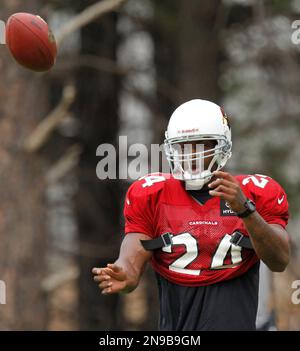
[(197, 120)]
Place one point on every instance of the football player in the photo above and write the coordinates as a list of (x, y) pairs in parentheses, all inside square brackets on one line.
[(203, 229)]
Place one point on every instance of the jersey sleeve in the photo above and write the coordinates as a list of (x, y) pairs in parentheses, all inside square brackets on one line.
[(272, 203), (137, 211)]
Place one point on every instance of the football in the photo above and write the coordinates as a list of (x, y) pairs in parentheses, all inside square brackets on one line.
[(31, 41)]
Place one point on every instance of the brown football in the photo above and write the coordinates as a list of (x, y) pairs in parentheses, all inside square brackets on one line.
[(31, 41)]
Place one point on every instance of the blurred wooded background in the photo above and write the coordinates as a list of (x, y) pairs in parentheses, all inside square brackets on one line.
[(123, 74)]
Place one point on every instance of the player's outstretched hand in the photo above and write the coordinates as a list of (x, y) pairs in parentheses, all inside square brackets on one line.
[(228, 188), (110, 279)]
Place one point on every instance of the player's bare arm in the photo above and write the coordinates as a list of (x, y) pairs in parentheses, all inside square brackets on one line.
[(124, 274), (270, 241)]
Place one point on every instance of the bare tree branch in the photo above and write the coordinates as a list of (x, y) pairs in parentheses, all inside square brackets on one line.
[(55, 280), (88, 15), (43, 131), (68, 161)]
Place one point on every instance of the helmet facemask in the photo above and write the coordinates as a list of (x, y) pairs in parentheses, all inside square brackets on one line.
[(189, 166)]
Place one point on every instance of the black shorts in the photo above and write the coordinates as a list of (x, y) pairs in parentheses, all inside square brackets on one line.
[(229, 305)]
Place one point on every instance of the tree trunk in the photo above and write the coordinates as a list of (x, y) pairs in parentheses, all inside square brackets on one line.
[(98, 201), (199, 49), (23, 101)]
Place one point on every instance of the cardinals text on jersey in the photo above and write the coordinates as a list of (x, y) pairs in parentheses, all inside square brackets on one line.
[(201, 252)]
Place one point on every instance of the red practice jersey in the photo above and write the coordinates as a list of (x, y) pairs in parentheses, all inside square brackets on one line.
[(201, 252)]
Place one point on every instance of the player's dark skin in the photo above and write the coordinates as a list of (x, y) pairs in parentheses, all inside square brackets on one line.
[(270, 241)]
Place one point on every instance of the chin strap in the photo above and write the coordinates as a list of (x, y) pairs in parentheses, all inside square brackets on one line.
[(197, 184), (194, 184)]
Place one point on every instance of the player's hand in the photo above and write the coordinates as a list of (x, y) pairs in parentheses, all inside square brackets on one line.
[(110, 279), (228, 189)]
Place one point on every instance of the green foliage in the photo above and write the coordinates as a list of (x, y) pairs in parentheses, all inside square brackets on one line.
[(166, 15), (282, 7)]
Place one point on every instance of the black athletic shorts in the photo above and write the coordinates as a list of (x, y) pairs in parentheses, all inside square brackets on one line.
[(228, 305)]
